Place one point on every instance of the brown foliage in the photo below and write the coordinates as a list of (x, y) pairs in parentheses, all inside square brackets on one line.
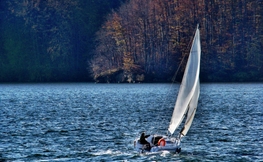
[(153, 36)]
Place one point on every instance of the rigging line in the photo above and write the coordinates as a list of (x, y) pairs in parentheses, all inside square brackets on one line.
[(174, 77)]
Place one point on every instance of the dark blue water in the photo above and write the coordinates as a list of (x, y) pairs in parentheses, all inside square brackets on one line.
[(98, 122)]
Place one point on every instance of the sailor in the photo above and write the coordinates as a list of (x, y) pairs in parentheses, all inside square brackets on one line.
[(144, 141)]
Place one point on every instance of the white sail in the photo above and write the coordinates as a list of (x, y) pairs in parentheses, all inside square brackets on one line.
[(191, 110), (188, 86)]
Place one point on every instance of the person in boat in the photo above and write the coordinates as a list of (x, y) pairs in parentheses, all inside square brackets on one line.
[(144, 140), (152, 140)]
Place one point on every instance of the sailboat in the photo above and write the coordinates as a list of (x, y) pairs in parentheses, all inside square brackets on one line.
[(184, 109)]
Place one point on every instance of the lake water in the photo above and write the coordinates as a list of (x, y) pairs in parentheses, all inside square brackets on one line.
[(98, 122)]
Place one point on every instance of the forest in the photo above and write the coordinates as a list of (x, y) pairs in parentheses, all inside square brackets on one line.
[(49, 40), (129, 40)]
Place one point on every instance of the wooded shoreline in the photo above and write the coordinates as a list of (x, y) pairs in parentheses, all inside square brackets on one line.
[(129, 41)]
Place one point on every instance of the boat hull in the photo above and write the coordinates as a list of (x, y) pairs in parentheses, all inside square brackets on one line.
[(171, 146)]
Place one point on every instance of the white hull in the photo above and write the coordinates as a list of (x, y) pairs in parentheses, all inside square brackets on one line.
[(172, 145)]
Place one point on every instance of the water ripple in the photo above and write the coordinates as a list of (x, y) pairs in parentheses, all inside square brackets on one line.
[(98, 122)]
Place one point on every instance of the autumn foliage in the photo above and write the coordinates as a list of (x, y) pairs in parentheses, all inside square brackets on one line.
[(128, 40), (153, 37)]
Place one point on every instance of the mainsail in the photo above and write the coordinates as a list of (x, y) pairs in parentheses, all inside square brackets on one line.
[(188, 95)]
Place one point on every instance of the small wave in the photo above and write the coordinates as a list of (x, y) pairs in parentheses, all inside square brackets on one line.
[(37, 155), (51, 131), (58, 159), (107, 152), (111, 152)]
